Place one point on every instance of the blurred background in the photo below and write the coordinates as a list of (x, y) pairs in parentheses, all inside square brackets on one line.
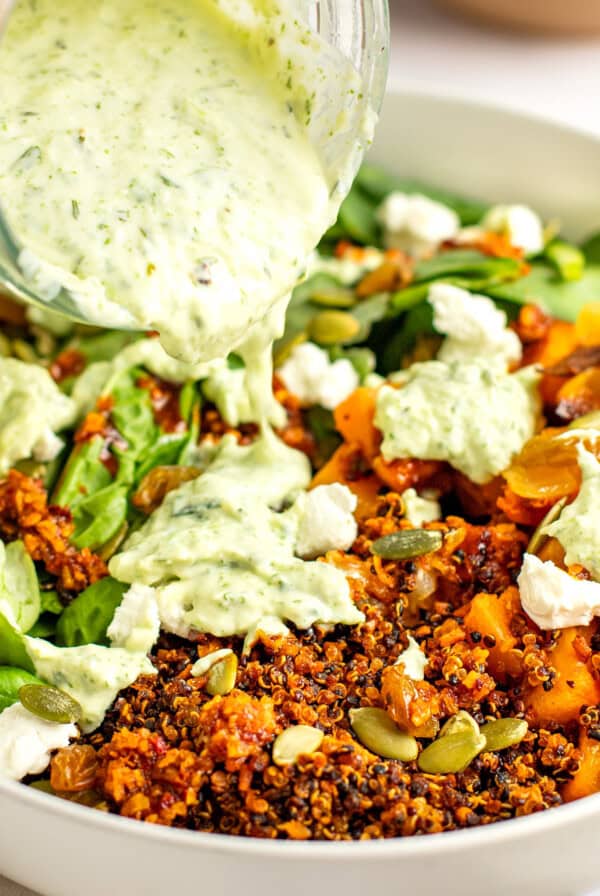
[(539, 56)]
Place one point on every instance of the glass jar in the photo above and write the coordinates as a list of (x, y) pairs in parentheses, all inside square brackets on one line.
[(359, 30)]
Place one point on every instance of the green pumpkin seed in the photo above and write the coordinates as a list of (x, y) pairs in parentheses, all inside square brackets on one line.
[(5, 349), (49, 703), (407, 543), (24, 351), (539, 537), (451, 754), (283, 353), (333, 327), (43, 786), (222, 675), (334, 297), (378, 732), (588, 421), (462, 723), (295, 741), (503, 733)]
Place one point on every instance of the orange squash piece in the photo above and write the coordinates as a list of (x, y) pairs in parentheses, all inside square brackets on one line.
[(574, 686), (587, 325), (344, 466), (491, 616), (354, 420), (587, 780)]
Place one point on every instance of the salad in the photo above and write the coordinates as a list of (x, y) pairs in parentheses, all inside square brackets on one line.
[(376, 616)]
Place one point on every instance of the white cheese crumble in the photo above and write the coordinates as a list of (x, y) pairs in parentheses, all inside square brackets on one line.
[(26, 742), (473, 326), (32, 408), (47, 447), (577, 528), (553, 598), (314, 379), (519, 223), (414, 660), (205, 663), (415, 223), (136, 623), (473, 417), (326, 520), (419, 509)]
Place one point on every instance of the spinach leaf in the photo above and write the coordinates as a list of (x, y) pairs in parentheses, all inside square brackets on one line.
[(45, 627), (165, 452), (103, 346), (11, 679), (377, 183), (100, 516), (86, 620), (417, 322), (84, 474), (467, 263), (544, 287), (50, 603), (357, 218), (12, 647), (591, 249), (132, 414), (20, 587)]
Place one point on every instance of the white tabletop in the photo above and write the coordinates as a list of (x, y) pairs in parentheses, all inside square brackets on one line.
[(433, 52)]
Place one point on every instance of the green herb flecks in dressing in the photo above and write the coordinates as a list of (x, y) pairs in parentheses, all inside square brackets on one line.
[(220, 549), (474, 417), (172, 162), (578, 526)]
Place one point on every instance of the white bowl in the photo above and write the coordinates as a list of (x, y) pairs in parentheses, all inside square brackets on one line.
[(61, 849)]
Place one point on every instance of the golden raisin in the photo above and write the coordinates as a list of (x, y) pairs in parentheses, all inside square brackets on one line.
[(157, 484), (74, 768)]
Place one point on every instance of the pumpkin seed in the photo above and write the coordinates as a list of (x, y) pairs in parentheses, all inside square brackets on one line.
[(222, 675), (333, 327), (44, 786), (503, 733), (45, 343), (378, 732), (295, 741), (407, 543), (49, 703), (539, 537), (287, 348), (451, 754), (24, 352), (462, 723), (5, 350), (334, 297), (588, 421)]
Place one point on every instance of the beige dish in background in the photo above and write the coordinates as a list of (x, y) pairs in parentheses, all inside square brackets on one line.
[(579, 17)]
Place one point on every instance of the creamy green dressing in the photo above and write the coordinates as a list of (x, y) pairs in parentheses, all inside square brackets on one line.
[(220, 550), (32, 409), (91, 674), (171, 163), (474, 417), (578, 526)]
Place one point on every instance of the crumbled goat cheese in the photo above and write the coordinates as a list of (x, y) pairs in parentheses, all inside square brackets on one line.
[(420, 509), (314, 379), (553, 598), (347, 269), (326, 521), (415, 223), (26, 742), (47, 447), (519, 223), (268, 625), (473, 326), (414, 660), (136, 624)]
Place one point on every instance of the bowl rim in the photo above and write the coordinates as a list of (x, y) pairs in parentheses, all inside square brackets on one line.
[(335, 852)]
